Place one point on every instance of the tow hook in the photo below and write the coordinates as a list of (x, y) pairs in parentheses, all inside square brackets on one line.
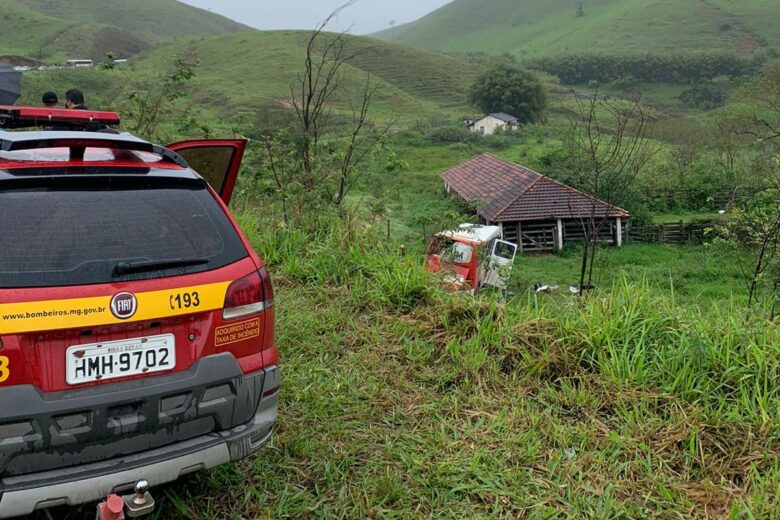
[(112, 508), (139, 504)]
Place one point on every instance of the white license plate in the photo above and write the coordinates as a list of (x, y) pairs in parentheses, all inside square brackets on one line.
[(127, 357)]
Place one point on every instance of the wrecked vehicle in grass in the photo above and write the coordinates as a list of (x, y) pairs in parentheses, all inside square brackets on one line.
[(471, 256)]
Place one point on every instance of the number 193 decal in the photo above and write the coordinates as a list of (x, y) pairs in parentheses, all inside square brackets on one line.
[(185, 300)]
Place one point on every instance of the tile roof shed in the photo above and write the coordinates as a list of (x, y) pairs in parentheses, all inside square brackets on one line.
[(508, 192)]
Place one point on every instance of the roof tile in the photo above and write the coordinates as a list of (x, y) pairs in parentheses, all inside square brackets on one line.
[(509, 192)]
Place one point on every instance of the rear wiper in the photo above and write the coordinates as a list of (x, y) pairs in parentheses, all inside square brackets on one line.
[(154, 265)]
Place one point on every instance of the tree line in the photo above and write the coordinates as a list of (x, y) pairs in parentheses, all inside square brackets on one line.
[(682, 68)]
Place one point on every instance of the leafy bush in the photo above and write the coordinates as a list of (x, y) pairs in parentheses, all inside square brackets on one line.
[(450, 135), (704, 96), (754, 228)]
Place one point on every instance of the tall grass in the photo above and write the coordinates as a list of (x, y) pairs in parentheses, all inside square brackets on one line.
[(629, 334), (402, 400)]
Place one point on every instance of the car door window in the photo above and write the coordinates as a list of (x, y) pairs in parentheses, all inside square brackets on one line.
[(211, 163), (217, 161)]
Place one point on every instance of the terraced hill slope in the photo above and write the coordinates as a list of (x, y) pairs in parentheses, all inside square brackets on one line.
[(537, 28), (51, 30), (255, 70)]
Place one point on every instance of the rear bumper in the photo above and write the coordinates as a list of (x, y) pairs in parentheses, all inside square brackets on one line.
[(22, 494)]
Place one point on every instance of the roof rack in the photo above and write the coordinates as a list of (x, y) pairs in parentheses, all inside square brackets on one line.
[(28, 117), (79, 141)]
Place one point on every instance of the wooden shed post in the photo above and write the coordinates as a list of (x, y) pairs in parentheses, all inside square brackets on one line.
[(560, 235), (520, 236), (619, 230)]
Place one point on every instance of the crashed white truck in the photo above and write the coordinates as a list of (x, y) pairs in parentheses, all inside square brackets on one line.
[(471, 256)]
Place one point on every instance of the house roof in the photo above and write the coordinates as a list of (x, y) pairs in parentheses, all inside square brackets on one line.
[(503, 116), (508, 192)]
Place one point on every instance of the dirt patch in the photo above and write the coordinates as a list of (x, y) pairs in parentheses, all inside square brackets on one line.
[(745, 38), (83, 41), (19, 61)]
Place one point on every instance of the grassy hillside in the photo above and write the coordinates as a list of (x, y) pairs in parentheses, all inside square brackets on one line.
[(254, 71), (52, 30), (25, 30), (152, 20), (537, 28)]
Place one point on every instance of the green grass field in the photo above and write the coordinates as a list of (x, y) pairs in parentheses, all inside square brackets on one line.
[(535, 28), (696, 275), (403, 401)]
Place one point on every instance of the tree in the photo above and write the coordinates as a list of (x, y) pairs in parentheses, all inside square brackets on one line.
[(507, 87), (754, 228), (152, 101), (609, 145), (762, 116), (323, 158)]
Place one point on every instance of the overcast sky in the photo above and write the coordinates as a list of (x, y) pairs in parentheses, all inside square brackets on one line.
[(365, 16)]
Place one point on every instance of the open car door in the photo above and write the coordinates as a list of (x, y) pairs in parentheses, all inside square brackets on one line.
[(500, 264), (216, 160)]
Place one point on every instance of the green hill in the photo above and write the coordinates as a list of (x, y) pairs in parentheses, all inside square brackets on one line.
[(540, 28), (51, 30), (254, 71), (151, 20)]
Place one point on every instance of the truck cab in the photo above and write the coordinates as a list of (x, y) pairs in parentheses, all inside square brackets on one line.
[(471, 256)]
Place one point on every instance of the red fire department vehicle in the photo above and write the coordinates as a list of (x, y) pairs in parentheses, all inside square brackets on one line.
[(136, 321)]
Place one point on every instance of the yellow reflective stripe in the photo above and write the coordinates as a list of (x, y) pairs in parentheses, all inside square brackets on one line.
[(17, 318)]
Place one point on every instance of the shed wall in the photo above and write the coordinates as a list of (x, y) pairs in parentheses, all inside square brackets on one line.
[(542, 236)]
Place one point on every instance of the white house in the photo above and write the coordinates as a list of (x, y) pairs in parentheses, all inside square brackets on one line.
[(492, 122)]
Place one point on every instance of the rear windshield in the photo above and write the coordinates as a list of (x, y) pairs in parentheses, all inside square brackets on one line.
[(77, 231)]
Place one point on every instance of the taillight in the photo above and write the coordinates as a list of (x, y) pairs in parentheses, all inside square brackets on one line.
[(268, 288), (249, 295)]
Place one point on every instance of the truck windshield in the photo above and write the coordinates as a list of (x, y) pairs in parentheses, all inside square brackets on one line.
[(456, 252), (76, 231)]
